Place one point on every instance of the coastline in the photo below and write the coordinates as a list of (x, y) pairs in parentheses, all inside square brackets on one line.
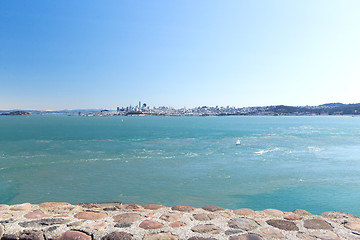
[(64, 221)]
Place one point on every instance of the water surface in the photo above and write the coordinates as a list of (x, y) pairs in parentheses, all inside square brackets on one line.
[(284, 162)]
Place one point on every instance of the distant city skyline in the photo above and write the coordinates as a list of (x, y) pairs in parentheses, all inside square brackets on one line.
[(58, 55)]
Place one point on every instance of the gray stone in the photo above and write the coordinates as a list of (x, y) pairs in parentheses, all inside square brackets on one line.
[(32, 235), (317, 224), (110, 209), (204, 217), (246, 237), (117, 236), (10, 236), (213, 208), (201, 238), (243, 223), (44, 222), (51, 229), (283, 225), (208, 228), (337, 215), (10, 220), (232, 232), (123, 225)]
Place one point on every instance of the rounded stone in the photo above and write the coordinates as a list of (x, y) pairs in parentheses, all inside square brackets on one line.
[(1, 231), (225, 214), (353, 225), (32, 235), (204, 217), (338, 215), (271, 233), (117, 236), (208, 228), (127, 218), (292, 217), (147, 224), (243, 223), (4, 207), (201, 238), (171, 217), (183, 208), (53, 204), (153, 206), (160, 236), (244, 211), (250, 236), (283, 225), (273, 212), (213, 208), (91, 205), (233, 231), (35, 215), (317, 224), (90, 215), (73, 235), (99, 226), (302, 212), (304, 236), (177, 224), (149, 214), (21, 207), (130, 207), (325, 235)]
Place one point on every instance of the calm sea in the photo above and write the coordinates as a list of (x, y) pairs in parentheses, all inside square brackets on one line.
[(285, 163)]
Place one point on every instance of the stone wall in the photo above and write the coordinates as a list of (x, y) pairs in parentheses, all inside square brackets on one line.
[(64, 221)]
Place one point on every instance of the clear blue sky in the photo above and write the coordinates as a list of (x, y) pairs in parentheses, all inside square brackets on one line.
[(101, 54)]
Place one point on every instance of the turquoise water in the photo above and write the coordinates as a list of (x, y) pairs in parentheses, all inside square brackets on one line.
[(286, 163)]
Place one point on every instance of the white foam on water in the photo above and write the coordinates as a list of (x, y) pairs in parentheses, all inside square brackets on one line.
[(261, 152), (191, 154), (314, 149)]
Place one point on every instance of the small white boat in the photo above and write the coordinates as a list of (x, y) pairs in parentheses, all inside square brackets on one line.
[(238, 142)]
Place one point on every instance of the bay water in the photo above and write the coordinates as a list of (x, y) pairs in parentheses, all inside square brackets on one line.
[(312, 163)]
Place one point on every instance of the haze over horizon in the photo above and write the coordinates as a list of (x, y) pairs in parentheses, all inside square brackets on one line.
[(90, 54)]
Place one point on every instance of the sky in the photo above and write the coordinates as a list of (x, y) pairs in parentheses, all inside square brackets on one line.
[(102, 54)]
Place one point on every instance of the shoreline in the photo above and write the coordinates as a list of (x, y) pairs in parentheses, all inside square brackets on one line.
[(64, 221)]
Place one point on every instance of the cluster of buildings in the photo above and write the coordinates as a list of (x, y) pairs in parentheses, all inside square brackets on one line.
[(279, 110), (144, 109)]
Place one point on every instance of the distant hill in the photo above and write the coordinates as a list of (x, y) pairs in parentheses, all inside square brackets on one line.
[(332, 105), (15, 113)]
